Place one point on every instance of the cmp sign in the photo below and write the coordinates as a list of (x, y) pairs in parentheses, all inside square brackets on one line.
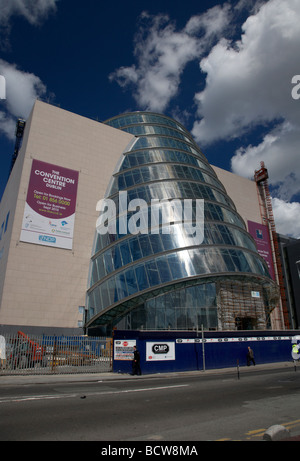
[(160, 351)]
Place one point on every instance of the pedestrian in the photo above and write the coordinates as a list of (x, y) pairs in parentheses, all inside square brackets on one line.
[(250, 356), (136, 368)]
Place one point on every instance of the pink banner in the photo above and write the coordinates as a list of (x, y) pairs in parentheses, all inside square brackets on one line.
[(261, 235), (50, 205)]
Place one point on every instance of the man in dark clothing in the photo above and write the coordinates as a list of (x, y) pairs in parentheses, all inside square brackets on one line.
[(250, 356), (136, 369)]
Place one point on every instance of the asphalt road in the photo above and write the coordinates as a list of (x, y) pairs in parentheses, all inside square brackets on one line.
[(191, 406)]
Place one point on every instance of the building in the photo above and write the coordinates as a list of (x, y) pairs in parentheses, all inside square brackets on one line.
[(158, 280), (43, 284), (290, 259), (63, 269)]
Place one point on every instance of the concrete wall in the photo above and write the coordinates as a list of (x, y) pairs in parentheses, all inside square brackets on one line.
[(243, 193)]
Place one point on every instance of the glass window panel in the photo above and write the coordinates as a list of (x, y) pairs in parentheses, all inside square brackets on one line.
[(135, 248), (97, 243), (230, 266), (175, 266), (156, 243), (101, 268), (105, 295), (164, 270), (153, 274), (121, 286), (97, 299), (236, 260), (146, 175), (116, 255), (112, 289), (110, 238), (108, 263), (125, 252), (141, 277), (132, 286), (121, 183), (198, 261), (167, 241), (94, 274), (243, 262), (145, 245), (129, 179)]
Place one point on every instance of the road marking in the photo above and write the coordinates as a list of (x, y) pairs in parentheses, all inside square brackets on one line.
[(291, 424), (34, 397), (61, 396), (255, 432)]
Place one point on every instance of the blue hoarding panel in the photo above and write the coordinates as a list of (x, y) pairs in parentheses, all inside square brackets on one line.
[(188, 351)]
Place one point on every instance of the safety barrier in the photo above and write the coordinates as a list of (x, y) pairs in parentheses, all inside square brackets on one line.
[(168, 351), (26, 354)]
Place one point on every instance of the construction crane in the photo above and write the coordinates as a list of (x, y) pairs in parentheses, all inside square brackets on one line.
[(265, 201)]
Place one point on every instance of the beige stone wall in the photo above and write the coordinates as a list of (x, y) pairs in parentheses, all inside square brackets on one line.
[(44, 286), (243, 193)]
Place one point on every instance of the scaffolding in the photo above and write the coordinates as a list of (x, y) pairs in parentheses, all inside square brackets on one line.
[(280, 316), (245, 304)]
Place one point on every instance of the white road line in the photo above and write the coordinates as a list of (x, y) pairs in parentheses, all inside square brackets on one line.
[(64, 396)]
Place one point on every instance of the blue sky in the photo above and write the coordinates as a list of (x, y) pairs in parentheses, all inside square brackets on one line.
[(222, 68)]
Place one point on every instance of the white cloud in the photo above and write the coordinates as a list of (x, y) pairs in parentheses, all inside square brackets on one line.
[(249, 82), (7, 125), (279, 150), (22, 89), (34, 10), (249, 85), (162, 54), (287, 217)]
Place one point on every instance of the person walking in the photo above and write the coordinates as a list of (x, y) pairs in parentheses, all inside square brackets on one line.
[(136, 368), (250, 356)]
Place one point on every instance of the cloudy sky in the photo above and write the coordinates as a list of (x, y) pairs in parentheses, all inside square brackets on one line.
[(226, 69)]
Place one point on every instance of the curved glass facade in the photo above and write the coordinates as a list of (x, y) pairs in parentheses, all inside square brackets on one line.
[(160, 277)]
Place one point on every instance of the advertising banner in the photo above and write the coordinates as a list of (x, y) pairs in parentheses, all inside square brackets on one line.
[(160, 351), (123, 350), (261, 235), (49, 213)]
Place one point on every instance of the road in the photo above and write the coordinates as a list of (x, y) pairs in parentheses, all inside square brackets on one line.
[(191, 406)]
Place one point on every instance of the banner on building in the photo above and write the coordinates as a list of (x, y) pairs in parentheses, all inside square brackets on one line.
[(261, 235), (50, 206)]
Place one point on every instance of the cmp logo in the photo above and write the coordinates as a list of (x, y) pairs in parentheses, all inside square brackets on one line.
[(2, 87), (160, 348)]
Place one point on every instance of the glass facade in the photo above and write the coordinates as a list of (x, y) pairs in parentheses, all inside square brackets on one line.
[(159, 276)]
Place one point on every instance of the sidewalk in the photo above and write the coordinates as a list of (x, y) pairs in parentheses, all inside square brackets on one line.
[(6, 380)]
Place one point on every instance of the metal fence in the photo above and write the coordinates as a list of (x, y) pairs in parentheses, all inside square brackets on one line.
[(26, 354)]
